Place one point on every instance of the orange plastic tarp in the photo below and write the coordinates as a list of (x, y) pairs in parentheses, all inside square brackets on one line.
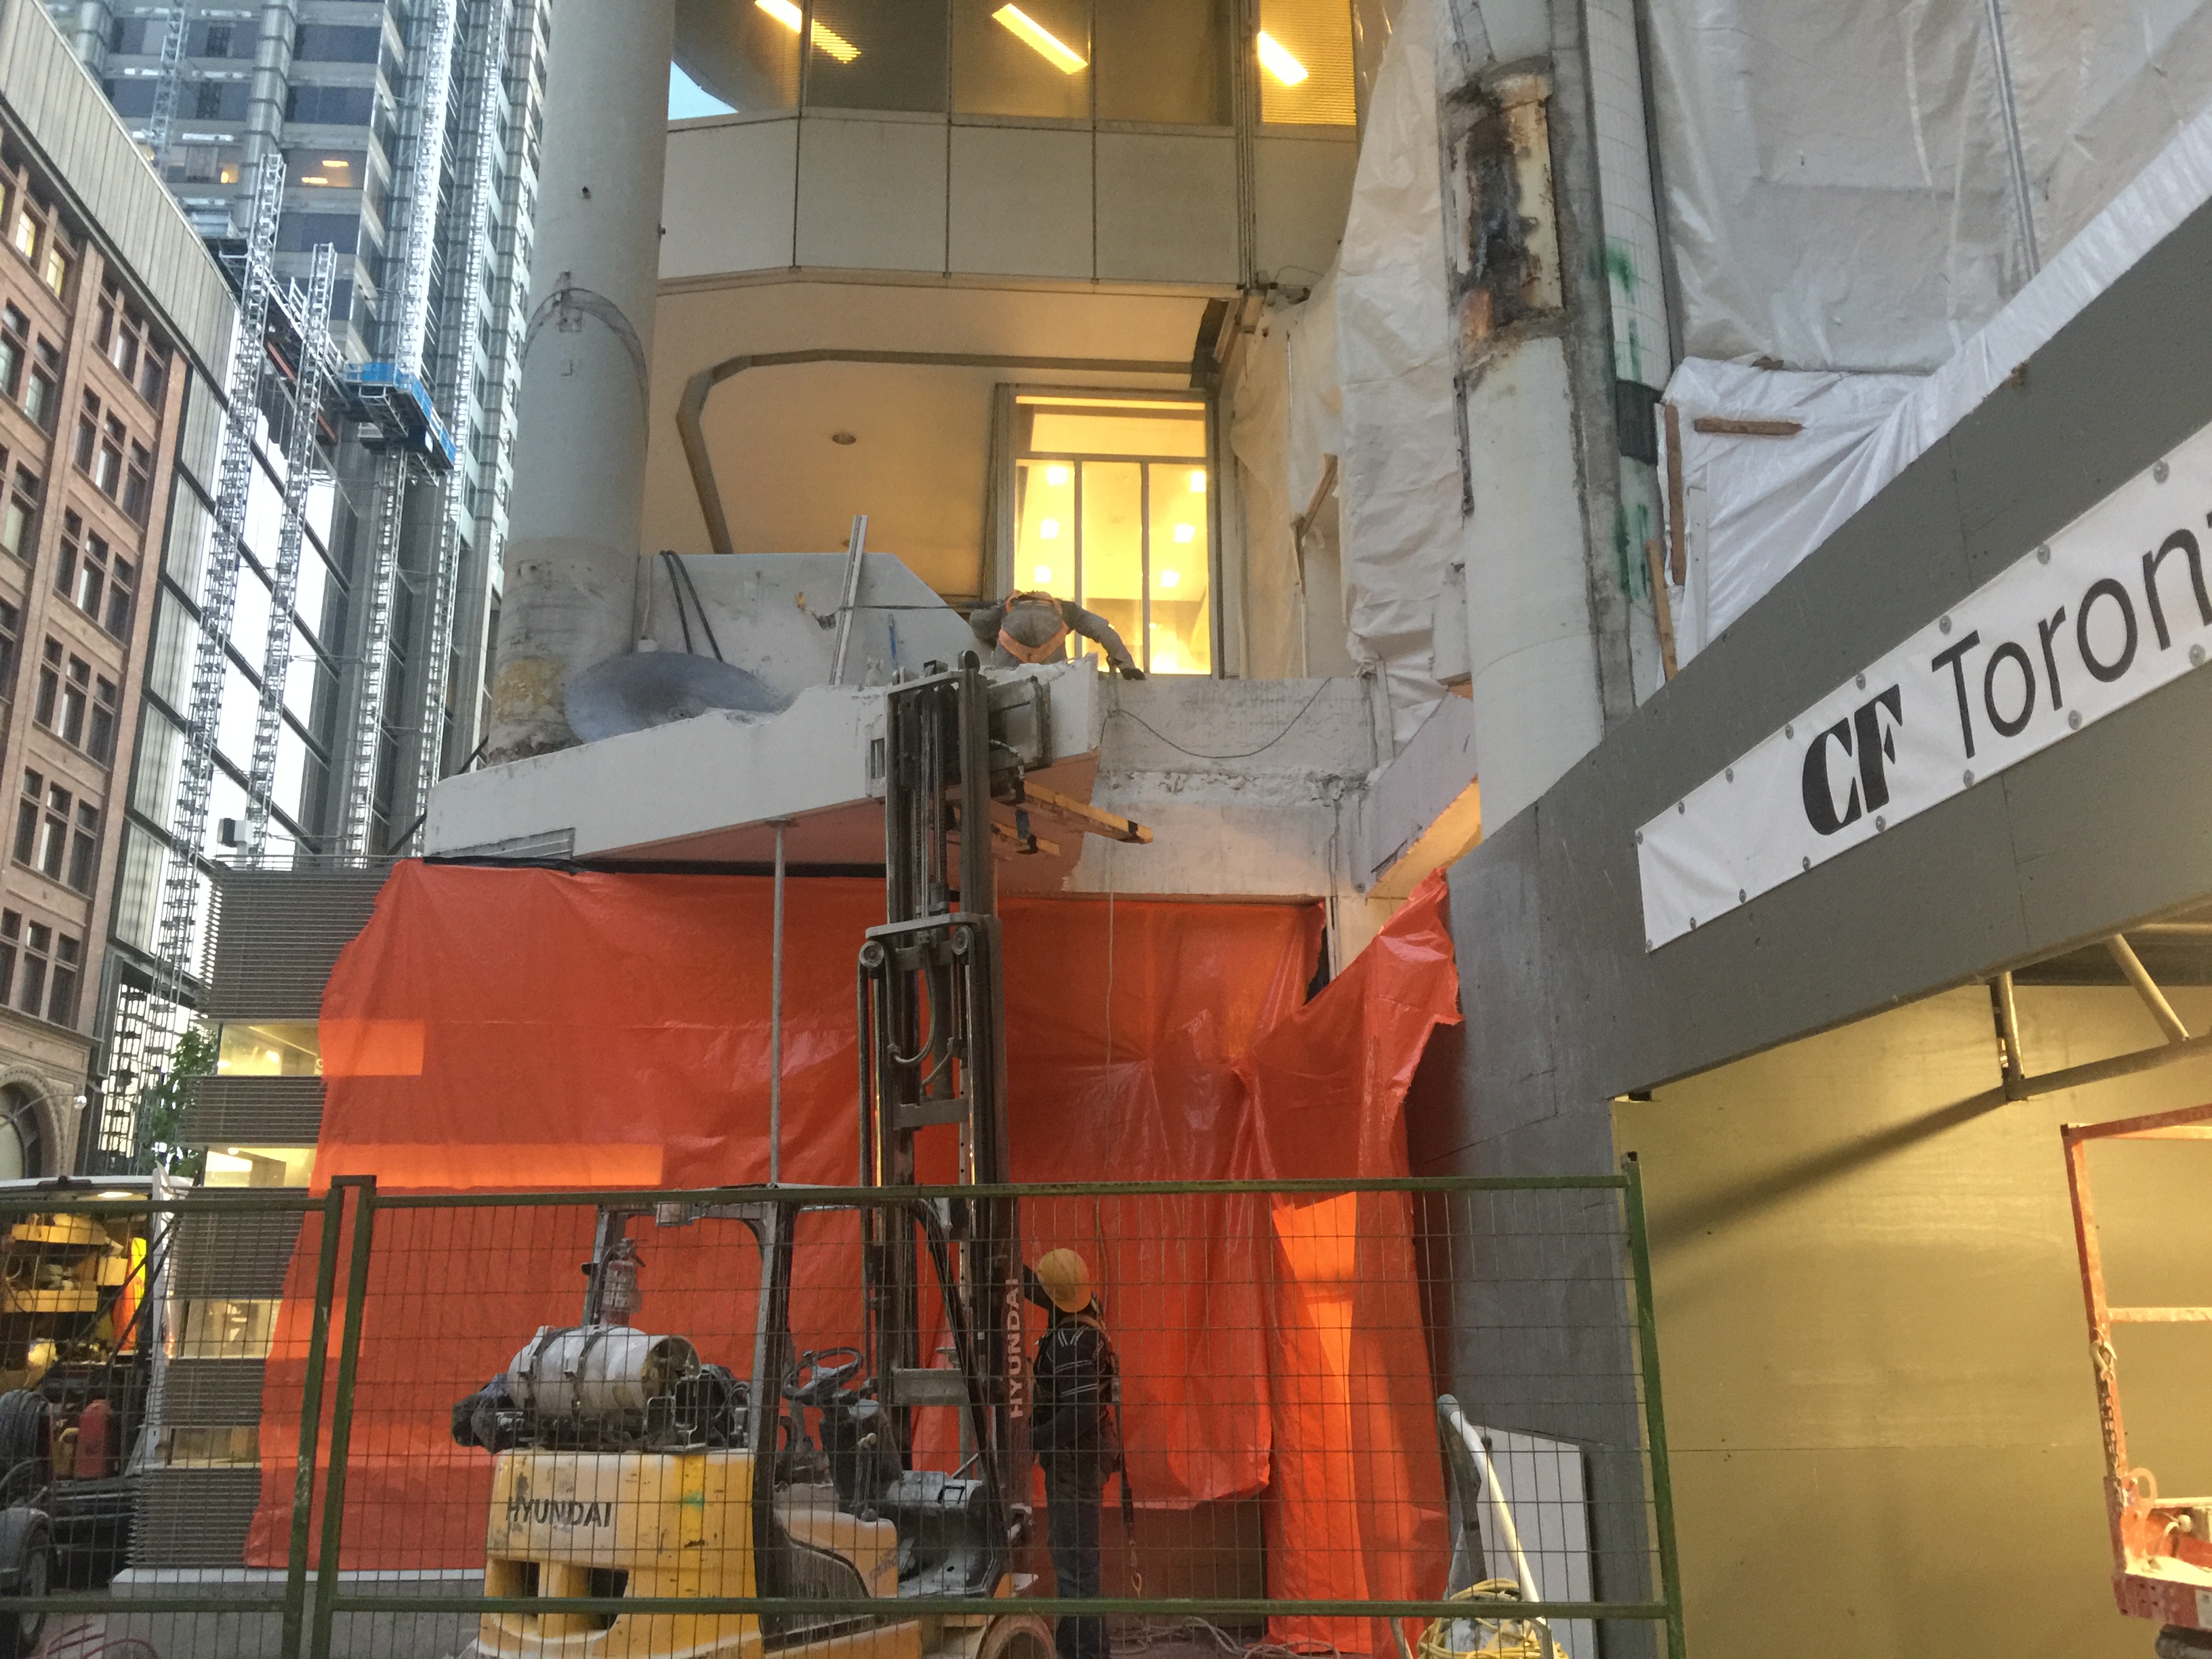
[(531, 1028)]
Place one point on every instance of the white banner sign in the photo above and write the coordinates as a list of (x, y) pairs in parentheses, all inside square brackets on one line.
[(2113, 607)]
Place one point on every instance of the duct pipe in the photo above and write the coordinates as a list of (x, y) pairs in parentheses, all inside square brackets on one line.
[(266, 98), (87, 34), (569, 599)]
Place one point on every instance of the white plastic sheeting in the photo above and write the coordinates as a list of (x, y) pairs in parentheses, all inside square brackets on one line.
[(1756, 506), (1258, 440), (1398, 464), (1843, 184)]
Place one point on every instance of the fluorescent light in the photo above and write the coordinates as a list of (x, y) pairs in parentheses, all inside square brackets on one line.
[(1198, 481), (1034, 34), (1171, 578), (1186, 533), (315, 178), (1278, 63), (1048, 530), (825, 38), (1055, 475), (1043, 573)]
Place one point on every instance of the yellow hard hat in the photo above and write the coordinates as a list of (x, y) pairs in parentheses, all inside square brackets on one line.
[(1067, 1281)]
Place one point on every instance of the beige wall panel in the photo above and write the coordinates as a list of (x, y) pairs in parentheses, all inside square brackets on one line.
[(871, 193), (1167, 208), (1872, 1339), (729, 197), (1301, 189), (1021, 201)]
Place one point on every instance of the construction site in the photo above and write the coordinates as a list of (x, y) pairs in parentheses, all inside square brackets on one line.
[(942, 829)]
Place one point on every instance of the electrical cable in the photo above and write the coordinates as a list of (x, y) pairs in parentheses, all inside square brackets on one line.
[(676, 586), (700, 606), (1241, 754)]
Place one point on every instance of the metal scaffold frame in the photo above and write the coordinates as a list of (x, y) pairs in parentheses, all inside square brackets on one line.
[(423, 147), (319, 367), (465, 309), (168, 83), (249, 357)]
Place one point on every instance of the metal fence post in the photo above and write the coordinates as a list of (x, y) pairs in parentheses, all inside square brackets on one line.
[(310, 1407), (334, 1482), (1654, 1417)]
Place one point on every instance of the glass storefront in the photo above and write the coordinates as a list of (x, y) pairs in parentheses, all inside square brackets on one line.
[(1112, 509)]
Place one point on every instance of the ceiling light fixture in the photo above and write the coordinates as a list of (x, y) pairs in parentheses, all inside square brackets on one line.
[(1033, 33), (1277, 62), (1055, 475), (1048, 530), (1170, 579), (1198, 481), (1044, 575), (825, 38), (315, 178), (338, 161), (1186, 533)]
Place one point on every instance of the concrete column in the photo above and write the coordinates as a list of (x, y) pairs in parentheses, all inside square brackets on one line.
[(580, 446)]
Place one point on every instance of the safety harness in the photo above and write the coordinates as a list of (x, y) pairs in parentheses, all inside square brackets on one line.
[(1052, 648)]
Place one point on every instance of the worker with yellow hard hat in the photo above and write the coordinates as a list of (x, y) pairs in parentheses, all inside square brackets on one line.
[(1073, 1432)]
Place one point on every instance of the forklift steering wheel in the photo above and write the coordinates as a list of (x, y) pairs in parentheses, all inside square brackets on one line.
[(817, 1377)]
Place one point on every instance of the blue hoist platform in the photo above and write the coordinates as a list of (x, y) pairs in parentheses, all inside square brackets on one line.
[(395, 405)]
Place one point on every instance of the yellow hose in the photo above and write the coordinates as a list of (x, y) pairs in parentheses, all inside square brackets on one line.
[(1507, 1638)]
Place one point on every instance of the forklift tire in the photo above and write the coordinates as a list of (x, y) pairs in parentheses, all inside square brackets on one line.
[(1015, 1636), (26, 1448), (26, 1568)]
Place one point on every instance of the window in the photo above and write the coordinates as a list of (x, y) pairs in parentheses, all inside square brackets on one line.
[(107, 469), (38, 945), (1030, 59), (100, 745), (153, 374), (326, 43), (330, 169), (217, 44), (873, 54), (77, 702), (11, 626), (335, 106), (1305, 50), (89, 574), (22, 1141), (120, 579), (138, 482), (50, 687), (42, 398), (1111, 509), (19, 517), (1164, 60), (207, 100), (87, 433), (42, 825), (15, 346), (198, 163), (54, 272), (26, 233), (69, 966), (84, 848)]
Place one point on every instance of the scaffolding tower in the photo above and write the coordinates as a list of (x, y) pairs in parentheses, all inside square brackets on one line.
[(317, 372), (169, 85), (390, 396), (468, 250)]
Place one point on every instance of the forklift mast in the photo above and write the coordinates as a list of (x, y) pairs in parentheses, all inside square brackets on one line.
[(934, 1052)]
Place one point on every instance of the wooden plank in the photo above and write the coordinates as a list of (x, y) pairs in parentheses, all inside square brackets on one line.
[(1728, 426), (1082, 815), (1678, 546), (1662, 608)]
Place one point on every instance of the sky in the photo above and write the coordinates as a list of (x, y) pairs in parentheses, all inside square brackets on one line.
[(687, 98)]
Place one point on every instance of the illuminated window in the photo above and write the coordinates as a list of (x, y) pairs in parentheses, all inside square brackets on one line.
[(259, 1166), (1111, 510), (871, 54), (1306, 63), (272, 1049), (1164, 61), (1031, 58)]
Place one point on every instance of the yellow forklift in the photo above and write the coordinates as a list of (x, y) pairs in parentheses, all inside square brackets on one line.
[(626, 1469)]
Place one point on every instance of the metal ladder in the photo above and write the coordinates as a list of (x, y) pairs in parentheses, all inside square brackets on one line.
[(167, 88), (218, 598), (318, 369), (464, 313), (424, 146)]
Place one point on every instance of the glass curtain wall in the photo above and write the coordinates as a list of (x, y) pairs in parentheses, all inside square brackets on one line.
[(1165, 62), (1112, 509)]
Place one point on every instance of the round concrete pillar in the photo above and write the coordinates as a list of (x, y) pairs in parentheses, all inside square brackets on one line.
[(572, 547)]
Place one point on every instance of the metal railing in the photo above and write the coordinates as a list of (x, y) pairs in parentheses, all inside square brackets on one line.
[(1278, 1469)]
